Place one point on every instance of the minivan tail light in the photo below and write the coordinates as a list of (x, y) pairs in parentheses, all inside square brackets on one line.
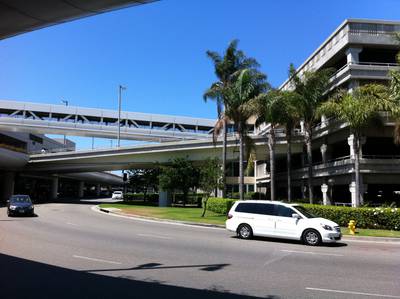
[(230, 216)]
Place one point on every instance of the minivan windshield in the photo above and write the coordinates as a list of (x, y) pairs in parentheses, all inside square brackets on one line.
[(304, 211)]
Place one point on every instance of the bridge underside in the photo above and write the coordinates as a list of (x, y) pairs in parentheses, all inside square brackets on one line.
[(23, 16), (91, 122), (143, 156)]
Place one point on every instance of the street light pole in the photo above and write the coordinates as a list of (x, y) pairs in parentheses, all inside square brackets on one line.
[(65, 137), (120, 89)]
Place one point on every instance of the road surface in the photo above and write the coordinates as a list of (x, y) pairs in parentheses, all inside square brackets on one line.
[(71, 251)]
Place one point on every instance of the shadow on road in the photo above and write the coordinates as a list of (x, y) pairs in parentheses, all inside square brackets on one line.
[(21, 278), (288, 241), (84, 201), (155, 266)]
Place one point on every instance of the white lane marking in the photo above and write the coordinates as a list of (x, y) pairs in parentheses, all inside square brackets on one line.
[(70, 223), (96, 260), (352, 293), (275, 259), (310, 252), (154, 236)]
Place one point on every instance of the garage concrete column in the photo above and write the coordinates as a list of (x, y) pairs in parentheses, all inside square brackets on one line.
[(352, 189), (325, 196), (80, 189), (8, 185), (163, 199), (323, 150), (350, 142), (98, 190), (352, 55), (54, 188)]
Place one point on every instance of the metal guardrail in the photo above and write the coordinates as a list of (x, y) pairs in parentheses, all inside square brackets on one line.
[(383, 157)]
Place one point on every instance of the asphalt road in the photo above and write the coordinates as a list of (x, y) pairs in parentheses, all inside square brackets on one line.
[(71, 251)]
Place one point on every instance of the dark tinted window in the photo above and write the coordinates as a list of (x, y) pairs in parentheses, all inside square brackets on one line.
[(255, 208), (283, 211), (20, 198)]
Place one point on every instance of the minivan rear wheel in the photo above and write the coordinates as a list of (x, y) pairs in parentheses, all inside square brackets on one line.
[(311, 237), (244, 231)]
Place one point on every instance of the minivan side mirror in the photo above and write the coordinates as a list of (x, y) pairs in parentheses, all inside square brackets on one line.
[(295, 215)]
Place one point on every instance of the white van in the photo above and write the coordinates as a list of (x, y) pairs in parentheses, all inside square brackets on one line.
[(117, 195), (280, 220)]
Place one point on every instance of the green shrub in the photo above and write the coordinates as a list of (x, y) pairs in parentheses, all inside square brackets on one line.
[(258, 195), (191, 198), (220, 205), (248, 195), (377, 218), (151, 197)]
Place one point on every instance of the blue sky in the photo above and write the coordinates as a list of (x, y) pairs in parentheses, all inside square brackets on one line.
[(158, 51)]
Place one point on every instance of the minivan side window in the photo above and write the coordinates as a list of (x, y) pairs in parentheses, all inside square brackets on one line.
[(255, 208), (283, 211)]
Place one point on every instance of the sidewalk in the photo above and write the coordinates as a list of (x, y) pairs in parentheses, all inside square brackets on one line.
[(117, 212)]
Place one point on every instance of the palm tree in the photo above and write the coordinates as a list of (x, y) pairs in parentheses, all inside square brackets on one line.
[(289, 117), (225, 67), (358, 109), (311, 89), (395, 94), (238, 96), (277, 108)]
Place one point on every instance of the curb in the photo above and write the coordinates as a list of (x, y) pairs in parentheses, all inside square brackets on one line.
[(375, 239), (152, 219), (344, 237)]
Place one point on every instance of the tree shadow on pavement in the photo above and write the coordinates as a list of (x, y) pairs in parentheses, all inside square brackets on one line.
[(289, 241), (156, 266), (21, 278)]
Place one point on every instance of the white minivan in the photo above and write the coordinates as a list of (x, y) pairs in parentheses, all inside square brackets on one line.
[(117, 195), (280, 220)]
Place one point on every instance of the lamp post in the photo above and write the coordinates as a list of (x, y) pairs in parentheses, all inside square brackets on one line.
[(120, 89), (65, 137)]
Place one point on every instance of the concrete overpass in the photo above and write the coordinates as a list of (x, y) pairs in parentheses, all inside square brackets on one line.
[(91, 122), (19, 16), (145, 156)]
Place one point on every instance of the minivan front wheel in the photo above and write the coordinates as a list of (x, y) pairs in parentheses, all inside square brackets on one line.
[(244, 231), (311, 237)]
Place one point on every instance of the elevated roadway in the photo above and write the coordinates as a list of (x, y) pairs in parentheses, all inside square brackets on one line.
[(145, 156), (91, 122)]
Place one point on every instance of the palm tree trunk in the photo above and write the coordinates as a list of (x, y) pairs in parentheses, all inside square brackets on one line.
[(309, 160), (289, 163), (272, 172), (224, 137), (241, 172), (357, 167)]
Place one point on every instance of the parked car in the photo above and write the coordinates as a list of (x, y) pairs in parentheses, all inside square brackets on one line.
[(20, 205), (117, 195), (280, 220)]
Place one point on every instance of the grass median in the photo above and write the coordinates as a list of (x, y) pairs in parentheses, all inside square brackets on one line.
[(194, 215), (171, 213)]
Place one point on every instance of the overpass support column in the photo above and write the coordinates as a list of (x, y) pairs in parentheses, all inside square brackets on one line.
[(54, 188), (163, 199), (80, 189), (98, 190), (8, 185)]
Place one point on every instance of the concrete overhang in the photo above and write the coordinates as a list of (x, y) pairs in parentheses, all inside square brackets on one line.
[(147, 156), (20, 16)]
